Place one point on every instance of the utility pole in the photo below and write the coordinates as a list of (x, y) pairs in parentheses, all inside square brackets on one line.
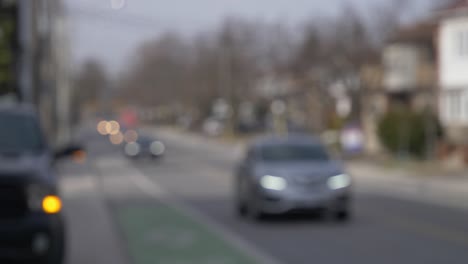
[(9, 48), (25, 56), (63, 86)]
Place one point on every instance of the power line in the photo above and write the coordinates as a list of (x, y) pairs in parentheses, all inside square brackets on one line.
[(126, 19)]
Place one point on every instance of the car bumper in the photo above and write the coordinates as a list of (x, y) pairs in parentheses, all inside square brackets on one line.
[(31, 238), (144, 154), (278, 202)]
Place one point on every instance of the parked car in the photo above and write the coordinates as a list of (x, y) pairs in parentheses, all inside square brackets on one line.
[(283, 174), (31, 222), (145, 147)]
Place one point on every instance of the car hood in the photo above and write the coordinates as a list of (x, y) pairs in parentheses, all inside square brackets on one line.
[(38, 166), (300, 170)]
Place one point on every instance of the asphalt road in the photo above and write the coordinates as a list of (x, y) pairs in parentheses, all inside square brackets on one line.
[(109, 198)]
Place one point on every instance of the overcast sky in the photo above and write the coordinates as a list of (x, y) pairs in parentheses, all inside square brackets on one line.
[(110, 31)]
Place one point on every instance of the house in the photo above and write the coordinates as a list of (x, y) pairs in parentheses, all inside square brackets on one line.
[(409, 67), (404, 75), (452, 42), (309, 107)]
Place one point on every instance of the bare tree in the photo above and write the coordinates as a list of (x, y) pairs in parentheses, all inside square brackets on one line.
[(90, 86), (227, 62), (158, 72)]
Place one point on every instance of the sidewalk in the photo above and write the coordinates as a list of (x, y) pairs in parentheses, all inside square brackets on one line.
[(446, 190), (436, 187), (92, 237)]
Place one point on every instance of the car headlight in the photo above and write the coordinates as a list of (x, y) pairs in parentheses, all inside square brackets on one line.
[(157, 148), (132, 149), (42, 199), (339, 182), (273, 183)]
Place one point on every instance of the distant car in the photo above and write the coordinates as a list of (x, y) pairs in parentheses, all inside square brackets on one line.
[(283, 174), (145, 146), (31, 221)]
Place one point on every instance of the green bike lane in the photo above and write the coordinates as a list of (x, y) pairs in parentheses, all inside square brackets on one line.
[(157, 233), (153, 230)]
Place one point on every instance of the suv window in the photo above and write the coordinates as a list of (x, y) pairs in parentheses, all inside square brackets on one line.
[(20, 133)]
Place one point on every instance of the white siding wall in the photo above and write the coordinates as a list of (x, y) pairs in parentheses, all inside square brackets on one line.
[(454, 107), (453, 45), (453, 71)]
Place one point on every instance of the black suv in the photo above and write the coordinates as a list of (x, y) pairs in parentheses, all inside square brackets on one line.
[(31, 222)]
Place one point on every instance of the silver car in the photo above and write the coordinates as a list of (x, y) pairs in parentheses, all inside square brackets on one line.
[(284, 174)]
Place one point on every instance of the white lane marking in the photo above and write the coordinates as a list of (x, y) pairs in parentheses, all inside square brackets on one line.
[(152, 189), (77, 186)]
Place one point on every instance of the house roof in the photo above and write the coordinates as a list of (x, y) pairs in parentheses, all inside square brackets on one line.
[(453, 8), (422, 33), (456, 4)]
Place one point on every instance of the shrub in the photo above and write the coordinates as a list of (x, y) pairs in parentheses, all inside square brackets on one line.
[(404, 132)]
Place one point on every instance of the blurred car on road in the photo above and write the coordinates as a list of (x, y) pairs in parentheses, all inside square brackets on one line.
[(292, 173), (32, 229), (145, 147)]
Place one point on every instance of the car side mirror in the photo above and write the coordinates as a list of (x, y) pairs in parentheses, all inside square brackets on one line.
[(67, 151)]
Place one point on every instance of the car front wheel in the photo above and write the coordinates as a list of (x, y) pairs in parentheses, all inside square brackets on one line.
[(343, 215), (254, 210), (56, 254)]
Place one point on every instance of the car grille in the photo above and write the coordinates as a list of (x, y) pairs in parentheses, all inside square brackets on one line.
[(308, 184), (307, 180), (13, 202)]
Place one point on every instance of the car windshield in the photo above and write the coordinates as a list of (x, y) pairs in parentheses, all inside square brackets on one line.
[(288, 153), (19, 133)]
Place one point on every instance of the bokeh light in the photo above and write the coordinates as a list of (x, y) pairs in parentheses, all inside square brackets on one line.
[(132, 149), (102, 127), (157, 148), (113, 127), (131, 136), (116, 139)]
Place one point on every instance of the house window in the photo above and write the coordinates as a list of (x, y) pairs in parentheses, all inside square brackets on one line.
[(456, 108), (461, 43)]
